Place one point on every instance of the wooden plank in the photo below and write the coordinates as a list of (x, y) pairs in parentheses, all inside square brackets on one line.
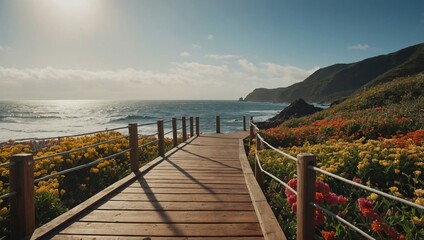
[(115, 237), (176, 206), (187, 180), (185, 190), (184, 177), (177, 185), (269, 224), (156, 229), (170, 216), (206, 174), (163, 197)]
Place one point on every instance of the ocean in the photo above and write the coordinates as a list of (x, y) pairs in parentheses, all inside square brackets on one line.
[(51, 118)]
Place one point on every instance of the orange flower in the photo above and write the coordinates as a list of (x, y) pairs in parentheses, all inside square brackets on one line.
[(328, 235)]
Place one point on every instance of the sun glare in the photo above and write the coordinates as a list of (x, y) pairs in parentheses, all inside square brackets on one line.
[(73, 5)]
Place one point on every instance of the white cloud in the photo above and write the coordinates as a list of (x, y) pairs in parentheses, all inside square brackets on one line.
[(195, 46), (359, 47), (211, 37), (182, 80), (221, 57), (287, 72), (1, 47), (246, 65), (185, 54)]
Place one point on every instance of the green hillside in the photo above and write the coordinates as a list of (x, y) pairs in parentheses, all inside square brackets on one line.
[(341, 80)]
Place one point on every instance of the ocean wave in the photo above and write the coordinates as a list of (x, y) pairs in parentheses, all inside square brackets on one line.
[(130, 117), (29, 117)]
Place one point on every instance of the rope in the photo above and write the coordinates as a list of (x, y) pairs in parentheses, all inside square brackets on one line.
[(274, 177), (342, 220), (8, 164), (367, 188), (7, 195), (150, 135), (168, 132), (80, 166), (146, 124), (256, 127), (145, 144), (275, 149), (77, 149), (68, 136)]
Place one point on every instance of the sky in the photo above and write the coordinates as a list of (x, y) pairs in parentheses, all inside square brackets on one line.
[(189, 49)]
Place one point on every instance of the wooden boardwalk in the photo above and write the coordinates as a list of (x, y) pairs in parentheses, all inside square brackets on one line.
[(204, 189)]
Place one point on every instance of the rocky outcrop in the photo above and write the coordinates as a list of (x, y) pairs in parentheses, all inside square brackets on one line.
[(296, 109)]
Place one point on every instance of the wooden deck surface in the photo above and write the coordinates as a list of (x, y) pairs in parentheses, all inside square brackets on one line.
[(198, 192)]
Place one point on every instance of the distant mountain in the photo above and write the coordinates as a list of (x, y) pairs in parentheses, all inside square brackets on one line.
[(341, 80)]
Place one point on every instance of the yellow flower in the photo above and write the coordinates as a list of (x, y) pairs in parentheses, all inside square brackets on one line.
[(417, 172), (373, 197), (419, 201), (3, 211), (419, 192), (94, 170), (417, 221), (393, 189), (397, 170)]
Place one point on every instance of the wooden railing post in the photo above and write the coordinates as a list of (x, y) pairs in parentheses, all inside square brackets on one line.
[(184, 128), (218, 125), (305, 194), (191, 127), (244, 123), (252, 133), (258, 172), (174, 132), (134, 152), (197, 126), (22, 208), (161, 139)]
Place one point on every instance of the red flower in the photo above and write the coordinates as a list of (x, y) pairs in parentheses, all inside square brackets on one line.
[(341, 199), (319, 217), (331, 198), (377, 226), (366, 209), (328, 235), (292, 199), (319, 197), (322, 187)]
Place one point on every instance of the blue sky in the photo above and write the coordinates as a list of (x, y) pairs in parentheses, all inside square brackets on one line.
[(106, 49)]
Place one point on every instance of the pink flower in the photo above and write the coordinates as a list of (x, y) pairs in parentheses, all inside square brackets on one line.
[(331, 198), (322, 187), (357, 180)]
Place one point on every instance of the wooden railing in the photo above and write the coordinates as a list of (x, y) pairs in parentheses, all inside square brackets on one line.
[(21, 177), (306, 178)]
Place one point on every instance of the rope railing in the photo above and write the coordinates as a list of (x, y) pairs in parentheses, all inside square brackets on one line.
[(367, 188), (146, 124), (69, 136), (276, 149), (148, 143), (166, 133), (7, 195), (353, 227), (81, 166), (6, 164), (272, 176), (79, 149), (147, 136), (260, 140)]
